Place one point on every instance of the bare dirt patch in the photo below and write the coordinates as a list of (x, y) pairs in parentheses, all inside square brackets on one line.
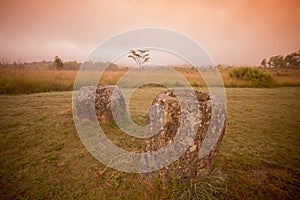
[(284, 182)]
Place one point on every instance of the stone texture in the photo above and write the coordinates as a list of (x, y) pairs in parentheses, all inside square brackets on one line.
[(189, 164), (106, 101)]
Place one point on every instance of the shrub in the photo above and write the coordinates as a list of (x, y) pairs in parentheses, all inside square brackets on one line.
[(253, 76)]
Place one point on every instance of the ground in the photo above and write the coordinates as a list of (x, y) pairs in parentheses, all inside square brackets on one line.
[(42, 157)]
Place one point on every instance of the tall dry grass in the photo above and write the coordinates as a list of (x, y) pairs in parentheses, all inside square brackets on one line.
[(24, 81), (13, 81), (285, 77)]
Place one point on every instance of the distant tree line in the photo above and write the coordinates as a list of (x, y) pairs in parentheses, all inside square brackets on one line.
[(57, 64), (289, 61)]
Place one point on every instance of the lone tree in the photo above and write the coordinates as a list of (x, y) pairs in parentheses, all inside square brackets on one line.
[(140, 56), (263, 63), (58, 63)]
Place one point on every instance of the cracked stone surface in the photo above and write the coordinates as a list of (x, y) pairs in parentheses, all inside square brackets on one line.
[(190, 164), (104, 101)]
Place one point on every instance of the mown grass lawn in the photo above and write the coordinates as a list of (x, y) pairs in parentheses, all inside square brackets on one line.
[(42, 157)]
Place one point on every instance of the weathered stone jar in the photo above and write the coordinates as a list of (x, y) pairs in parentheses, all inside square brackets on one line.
[(104, 101), (196, 161)]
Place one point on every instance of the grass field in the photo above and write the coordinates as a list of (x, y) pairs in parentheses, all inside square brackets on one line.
[(16, 81), (42, 157)]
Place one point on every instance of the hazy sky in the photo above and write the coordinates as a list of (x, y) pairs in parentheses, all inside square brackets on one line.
[(236, 32)]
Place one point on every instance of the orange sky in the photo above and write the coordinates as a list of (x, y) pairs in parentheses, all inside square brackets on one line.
[(236, 32)]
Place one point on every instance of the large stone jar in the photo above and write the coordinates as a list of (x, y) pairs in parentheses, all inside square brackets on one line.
[(197, 160)]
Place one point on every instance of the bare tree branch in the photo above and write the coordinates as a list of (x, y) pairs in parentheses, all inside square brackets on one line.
[(140, 56)]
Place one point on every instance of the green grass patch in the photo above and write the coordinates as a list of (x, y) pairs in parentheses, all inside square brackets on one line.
[(42, 157)]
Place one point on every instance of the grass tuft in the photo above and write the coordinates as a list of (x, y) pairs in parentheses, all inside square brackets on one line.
[(211, 187)]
